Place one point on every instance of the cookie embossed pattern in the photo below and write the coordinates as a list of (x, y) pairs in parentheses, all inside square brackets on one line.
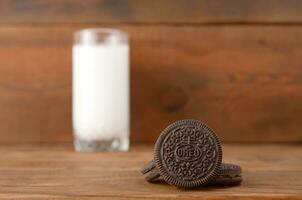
[(187, 154)]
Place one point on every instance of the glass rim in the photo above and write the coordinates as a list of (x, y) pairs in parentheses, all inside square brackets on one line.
[(105, 31)]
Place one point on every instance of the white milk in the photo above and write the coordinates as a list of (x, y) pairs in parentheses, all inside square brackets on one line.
[(101, 93)]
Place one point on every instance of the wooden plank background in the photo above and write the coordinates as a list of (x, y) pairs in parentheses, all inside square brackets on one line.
[(146, 11), (239, 70)]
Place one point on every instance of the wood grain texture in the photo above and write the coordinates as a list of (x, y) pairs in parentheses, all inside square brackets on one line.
[(146, 11), (244, 82), (56, 172)]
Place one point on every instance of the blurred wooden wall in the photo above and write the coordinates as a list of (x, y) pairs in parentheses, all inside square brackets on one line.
[(237, 65)]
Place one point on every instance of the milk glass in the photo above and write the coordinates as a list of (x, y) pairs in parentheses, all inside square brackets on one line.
[(100, 90)]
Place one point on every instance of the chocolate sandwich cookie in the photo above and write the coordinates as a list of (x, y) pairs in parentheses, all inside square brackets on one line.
[(228, 174), (153, 175), (187, 154), (150, 171), (148, 167)]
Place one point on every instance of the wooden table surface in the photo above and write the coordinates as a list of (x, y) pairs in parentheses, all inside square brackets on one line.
[(47, 171)]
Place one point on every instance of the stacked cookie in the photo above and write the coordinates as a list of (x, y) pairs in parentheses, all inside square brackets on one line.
[(188, 154)]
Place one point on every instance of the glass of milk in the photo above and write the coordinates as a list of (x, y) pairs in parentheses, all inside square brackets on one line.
[(100, 90)]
